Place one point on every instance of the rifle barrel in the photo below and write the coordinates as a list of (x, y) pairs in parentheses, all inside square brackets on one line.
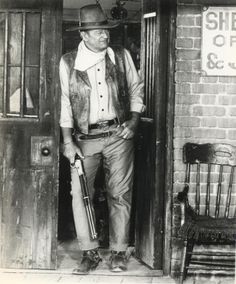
[(87, 200)]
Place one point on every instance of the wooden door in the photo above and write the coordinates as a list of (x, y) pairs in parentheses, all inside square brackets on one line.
[(30, 40), (150, 146)]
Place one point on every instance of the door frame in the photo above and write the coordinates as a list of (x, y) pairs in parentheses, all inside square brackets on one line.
[(169, 158), (166, 11), (164, 122)]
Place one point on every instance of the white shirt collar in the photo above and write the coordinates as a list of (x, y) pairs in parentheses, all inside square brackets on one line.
[(86, 58)]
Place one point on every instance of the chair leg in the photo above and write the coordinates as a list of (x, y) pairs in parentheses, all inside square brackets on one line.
[(183, 262), (190, 245), (186, 258)]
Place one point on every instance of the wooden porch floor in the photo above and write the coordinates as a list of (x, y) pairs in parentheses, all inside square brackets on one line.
[(69, 257), (52, 277)]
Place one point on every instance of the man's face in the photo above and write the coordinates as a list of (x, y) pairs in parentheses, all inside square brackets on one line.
[(96, 40)]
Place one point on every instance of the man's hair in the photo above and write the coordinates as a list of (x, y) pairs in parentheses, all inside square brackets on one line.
[(80, 33)]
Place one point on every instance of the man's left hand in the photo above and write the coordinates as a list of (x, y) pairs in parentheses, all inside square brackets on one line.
[(128, 129)]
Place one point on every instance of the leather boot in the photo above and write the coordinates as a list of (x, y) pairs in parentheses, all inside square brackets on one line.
[(118, 261), (90, 261)]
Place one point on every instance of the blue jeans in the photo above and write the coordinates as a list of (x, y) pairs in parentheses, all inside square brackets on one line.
[(118, 156)]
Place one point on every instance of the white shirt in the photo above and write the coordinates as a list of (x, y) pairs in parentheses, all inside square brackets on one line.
[(101, 107)]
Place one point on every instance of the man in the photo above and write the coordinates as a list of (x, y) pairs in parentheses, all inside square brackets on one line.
[(102, 98)]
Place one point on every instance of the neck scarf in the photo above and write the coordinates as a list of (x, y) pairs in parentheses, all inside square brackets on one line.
[(86, 58)]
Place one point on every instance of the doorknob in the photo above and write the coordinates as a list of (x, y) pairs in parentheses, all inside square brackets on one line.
[(42, 148), (45, 151)]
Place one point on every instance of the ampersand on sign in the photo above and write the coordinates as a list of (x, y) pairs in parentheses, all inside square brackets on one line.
[(213, 63)]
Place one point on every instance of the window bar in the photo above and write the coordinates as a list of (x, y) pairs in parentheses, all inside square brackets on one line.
[(5, 64), (22, 101), (150, 68), (152, 45), (153, 65), (228, 199), (218, 196), (147, 66)]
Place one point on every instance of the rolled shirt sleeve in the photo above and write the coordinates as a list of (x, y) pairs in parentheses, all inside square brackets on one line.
[(66, 119), (135, 85)]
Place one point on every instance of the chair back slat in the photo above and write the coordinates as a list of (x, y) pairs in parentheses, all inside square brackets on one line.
[(218, 195), (210, 176), (187, 173), (229, 192), (208, 187), (197, 195)]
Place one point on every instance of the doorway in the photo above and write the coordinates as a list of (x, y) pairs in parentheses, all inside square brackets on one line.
[(128, 34), (139, 36), (28, 208)]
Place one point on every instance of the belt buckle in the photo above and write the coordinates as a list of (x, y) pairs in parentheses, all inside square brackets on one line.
[(103, 125)]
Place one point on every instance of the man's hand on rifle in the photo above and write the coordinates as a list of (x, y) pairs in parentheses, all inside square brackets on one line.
[(70, 150)]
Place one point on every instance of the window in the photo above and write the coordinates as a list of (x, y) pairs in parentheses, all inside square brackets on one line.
[(150, 47), (19, 63)]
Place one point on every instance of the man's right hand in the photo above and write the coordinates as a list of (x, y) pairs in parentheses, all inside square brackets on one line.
[(70, 150)]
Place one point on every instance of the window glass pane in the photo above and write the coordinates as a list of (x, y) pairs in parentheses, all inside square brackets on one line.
[(2, 53), (13, 90), (31, 95), (15, 37), (2, 38), (20, 74), (1, 89), (32, 44)]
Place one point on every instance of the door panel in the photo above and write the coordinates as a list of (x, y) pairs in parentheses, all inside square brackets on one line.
[(145, 191), (29, 132), (150, 147)]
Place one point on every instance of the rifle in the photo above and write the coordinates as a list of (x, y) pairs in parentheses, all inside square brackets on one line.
[(87, 202)]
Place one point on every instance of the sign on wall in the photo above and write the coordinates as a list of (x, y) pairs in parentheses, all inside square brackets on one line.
[(219, 41)]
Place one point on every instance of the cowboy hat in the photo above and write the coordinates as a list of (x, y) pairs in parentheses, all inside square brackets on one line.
[(93, 17)]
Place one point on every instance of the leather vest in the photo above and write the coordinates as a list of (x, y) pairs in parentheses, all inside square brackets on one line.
[(80, 89)]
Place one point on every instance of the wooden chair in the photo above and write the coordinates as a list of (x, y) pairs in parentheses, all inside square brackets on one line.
[(208, 200)]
